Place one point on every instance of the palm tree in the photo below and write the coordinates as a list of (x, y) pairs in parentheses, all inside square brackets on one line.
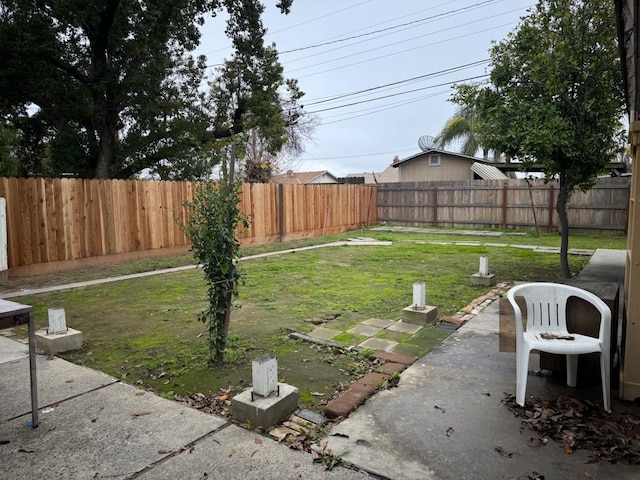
[(460, 128)]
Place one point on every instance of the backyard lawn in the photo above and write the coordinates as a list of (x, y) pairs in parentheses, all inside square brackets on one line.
[(145, 330)]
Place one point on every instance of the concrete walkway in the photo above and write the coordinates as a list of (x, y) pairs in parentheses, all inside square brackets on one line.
[(446, 420), (93, 426)]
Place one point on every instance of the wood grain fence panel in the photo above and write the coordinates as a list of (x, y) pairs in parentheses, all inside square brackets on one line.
[(24, 225), (66, 220), (106, 190), (482, 204), (14, 221), (165, 213), (247, 207), (53, 220)]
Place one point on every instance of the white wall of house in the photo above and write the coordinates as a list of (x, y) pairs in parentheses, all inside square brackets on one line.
[(324, 178)]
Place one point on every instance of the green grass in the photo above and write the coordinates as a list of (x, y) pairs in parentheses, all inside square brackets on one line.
[(146, 331)]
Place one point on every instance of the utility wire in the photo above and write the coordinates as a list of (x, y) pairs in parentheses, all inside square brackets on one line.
[(393, 53), (434, 32), (399, 82), (398, 94), (394, 27)]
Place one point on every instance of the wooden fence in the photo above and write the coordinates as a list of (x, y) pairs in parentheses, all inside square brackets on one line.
[(66, 223), (504, 204)]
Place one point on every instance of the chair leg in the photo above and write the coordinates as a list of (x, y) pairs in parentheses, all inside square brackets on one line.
[(605, 373), (572, 370), (522, 371)]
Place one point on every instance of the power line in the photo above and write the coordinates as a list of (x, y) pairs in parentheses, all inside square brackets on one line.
[(374, 110), (394, 27), (398, 94), (395, 53), (399, 82), (434, 32)]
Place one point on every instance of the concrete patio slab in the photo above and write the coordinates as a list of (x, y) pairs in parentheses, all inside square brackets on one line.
[(236, 453), (58, 380), (114, 431)]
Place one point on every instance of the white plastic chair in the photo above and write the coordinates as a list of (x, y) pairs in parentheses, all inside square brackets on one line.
[(546, 313)]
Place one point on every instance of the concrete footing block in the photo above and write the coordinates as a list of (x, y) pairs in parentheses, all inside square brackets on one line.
[(420, 317), (62, 342), (487, 280), (265, 412)]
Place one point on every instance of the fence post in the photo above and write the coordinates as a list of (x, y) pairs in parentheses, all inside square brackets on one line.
[(4, 266), (281, 212), (435, 207), (551, 197), (504, 207)]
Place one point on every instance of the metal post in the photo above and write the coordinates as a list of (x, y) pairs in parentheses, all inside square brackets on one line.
[(32, 367)]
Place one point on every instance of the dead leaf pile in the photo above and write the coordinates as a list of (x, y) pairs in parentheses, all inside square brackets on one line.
[(217, 404), (581, 425)]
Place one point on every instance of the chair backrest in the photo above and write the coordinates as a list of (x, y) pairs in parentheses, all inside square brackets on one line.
[(547, 306)]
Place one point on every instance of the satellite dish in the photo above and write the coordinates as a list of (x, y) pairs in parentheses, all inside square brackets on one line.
[(426, 142)]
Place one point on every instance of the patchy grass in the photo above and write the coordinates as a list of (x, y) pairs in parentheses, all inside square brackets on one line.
[(146, 332)]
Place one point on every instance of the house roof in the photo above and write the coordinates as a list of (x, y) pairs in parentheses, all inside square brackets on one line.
[(300, 178), (487, 172), (389, 175), (437, 150)]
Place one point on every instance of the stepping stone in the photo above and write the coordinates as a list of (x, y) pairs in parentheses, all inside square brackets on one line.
[(324, 333), (402, 327), (366, 330), (377, 322), (378, 344)]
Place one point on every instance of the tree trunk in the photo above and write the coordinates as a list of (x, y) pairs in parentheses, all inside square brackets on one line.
[(229, 257), (105, 156), (561, 208)]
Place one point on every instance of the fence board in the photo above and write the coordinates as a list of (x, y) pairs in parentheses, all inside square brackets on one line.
[(68, 221), (503, 204)]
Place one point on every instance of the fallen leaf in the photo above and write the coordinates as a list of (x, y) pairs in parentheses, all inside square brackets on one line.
[(140, 414), (28, 449), (296, 465), (139, 394), (450, 431), (503, 452), (536, 442), (222, 398), (588, 476), (258, 441), (568, 449), (232, 453), (69, 381)]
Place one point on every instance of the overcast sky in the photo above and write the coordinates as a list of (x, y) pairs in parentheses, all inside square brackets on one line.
[(413, 49)]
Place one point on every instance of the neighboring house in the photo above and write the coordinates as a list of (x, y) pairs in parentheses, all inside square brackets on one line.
[(434, 164), (304, 178), (389, 175)]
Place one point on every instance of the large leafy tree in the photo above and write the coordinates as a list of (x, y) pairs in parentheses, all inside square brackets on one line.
[(114, 87), (555, 96)]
